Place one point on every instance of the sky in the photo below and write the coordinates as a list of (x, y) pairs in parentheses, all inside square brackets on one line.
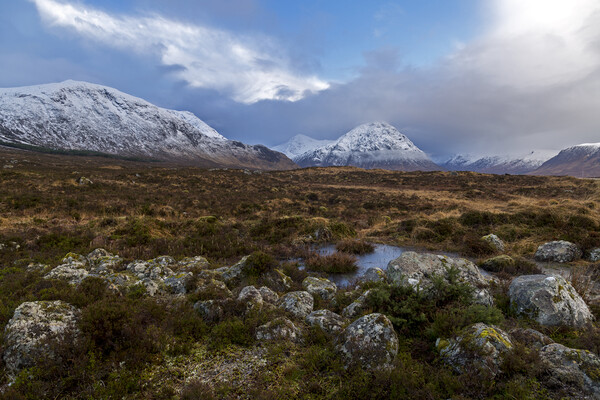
[(478, 77)]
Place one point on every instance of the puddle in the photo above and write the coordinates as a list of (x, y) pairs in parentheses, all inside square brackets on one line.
[(380, 258)]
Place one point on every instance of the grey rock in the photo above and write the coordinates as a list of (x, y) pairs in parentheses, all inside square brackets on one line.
[(33, 326), (594, 255), (152, 288), (209, 310), (178, 283), (480, 346), (419, 271), (83, 181), (549, 299), (321, 287), (162, 261), (192, 264), (330, 322), (154, 270), (494, 241), (278, 281), (209, 289), (369, 342), (570, 371), (268, 295), (74, 273), (251, 298), (559, 251), (234, 274), (374, 274), (279, 329), (299, 304), (70, 258), (357, 307)]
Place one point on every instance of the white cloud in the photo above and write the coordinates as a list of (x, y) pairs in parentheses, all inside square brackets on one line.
[(247, 68)]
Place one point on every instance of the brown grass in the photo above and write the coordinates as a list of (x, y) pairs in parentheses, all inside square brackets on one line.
[(336, 263)]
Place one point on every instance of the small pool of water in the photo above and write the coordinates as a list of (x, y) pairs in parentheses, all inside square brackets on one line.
[(380, 258)]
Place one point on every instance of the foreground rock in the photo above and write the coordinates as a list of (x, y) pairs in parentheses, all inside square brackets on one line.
[(278, 329), (33, 328), (374, 274), (321, 287), (420, 270), (550, 300), (480, 346), (330, 322), (357, 307), (498, 263), (251, 298), (369, 342), (559, 251), (299, 304), (575, 373)]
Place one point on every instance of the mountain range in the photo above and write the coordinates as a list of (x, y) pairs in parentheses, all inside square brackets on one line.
[(82, 116)]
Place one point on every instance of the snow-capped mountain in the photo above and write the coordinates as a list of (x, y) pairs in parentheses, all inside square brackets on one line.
[(300, 144), (581, 161), (83, 116), (373, 145), (507, 164)]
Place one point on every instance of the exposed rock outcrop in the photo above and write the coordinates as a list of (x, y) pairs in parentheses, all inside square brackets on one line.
[(559, 251)]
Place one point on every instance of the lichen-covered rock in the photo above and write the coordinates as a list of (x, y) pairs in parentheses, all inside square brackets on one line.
[(209, 289), (550, 300), (278, 329), (153, 269), (97, 254), (278, 281), (74, 258), (234, 274), (179, 283), (330, 322), (530, 338), (369, 342), (209, 310), (102, 262), (32, 328), (152, 288), (321, 287), (162, 261), (571, 372), (251, 298), (480, 346), (374, 274), (357, 307), (299, 304), (192, 264), (594, 255), (74, 273), (494, 241), (268, 295), (559, 251), (420, 270), (498, 263)]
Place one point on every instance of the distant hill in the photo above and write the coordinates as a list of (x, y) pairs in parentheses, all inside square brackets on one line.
[(580, 161), (80, 116), (515, 165)]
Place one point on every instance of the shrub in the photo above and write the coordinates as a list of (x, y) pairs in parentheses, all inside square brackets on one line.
[(336, 263), (355, 247), (259, 263)]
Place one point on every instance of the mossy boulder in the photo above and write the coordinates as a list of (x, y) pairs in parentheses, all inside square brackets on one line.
[(498, 263), (370, 342), (321, 287), (279, 329), (251, 299), (299, 304), (357, 307), (480, 346), (494, 241), (374, 274), (572, 373), (550, 300), (328, 321), (559, 251)]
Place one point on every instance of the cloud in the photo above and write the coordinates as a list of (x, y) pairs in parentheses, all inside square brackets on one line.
[(245, 67)]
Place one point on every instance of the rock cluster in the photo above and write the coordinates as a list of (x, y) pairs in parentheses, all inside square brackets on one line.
[(559, 251)]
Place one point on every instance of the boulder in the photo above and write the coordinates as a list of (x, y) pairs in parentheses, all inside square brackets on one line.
[(530, 338), (369, 342), (268, 295), (70, 258), (251, 298), (498, 263), (357, 307), (559, 251), (494, 241), (33, 327), (479, 347), (192, 264), (330, 322), (74, 273), (179, 283), (152, 269), (152, 288), (234, 274), (321, 287), (278, 281), (571, 372), (279, 329), (102, 262), (420, 270), (374, 274), (209, 310), (162, 261), (548, 299), (299, 304), (594, 255)]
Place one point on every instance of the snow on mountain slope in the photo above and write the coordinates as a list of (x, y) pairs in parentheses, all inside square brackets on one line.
[(373, 145), (507, 164), (581, 161), (300, 144), (83, 116)]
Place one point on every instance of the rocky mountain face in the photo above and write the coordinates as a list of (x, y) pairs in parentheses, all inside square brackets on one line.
[(580, 161), (373, 145), (82, 116), (300, 144), (515, 165)]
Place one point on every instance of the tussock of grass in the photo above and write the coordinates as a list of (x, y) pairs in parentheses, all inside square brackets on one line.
[(336, 263), (355, 247)]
